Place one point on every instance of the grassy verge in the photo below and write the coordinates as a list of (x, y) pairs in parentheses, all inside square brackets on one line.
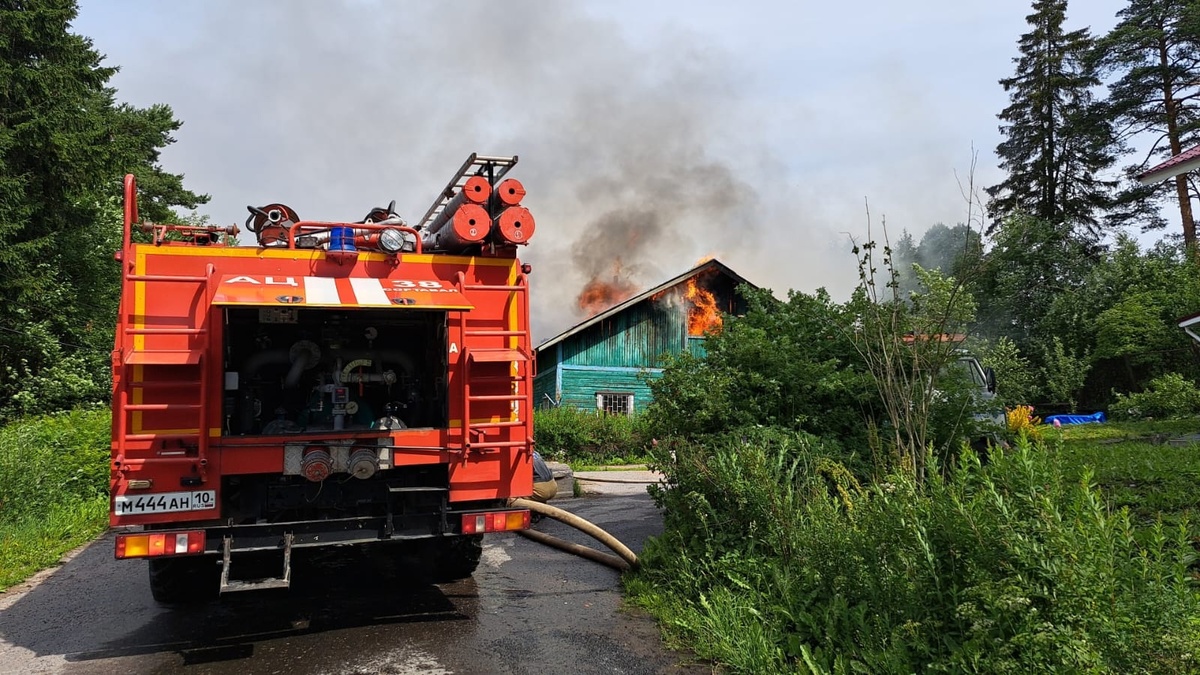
[(35, 543), (53, 489), (1126, 431)]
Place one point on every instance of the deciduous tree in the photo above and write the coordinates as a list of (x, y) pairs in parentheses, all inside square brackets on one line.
[(1031, 264)]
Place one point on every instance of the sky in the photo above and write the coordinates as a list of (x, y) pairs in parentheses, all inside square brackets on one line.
[(650, 135)]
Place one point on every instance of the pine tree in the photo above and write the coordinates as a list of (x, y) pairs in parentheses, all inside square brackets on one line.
[(64, 146), (1155, 52), (1056, 141)]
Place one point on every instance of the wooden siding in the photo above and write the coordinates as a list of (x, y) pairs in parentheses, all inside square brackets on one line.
[(580, 386), (634, 338), (543, 387)]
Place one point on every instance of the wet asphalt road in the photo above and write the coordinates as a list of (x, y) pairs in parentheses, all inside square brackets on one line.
[(528, 609)]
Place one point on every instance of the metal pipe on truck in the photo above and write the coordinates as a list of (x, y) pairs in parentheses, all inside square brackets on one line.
[(470, 224), (515, 225), (510, 192)]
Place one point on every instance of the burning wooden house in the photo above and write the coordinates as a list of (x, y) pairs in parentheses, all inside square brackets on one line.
[(600, 363)]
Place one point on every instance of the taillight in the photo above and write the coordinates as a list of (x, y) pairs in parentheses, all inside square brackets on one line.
[(495, 521), (153, 544)]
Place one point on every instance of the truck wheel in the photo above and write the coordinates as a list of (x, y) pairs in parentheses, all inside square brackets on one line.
[(454, 558), (179, 581)]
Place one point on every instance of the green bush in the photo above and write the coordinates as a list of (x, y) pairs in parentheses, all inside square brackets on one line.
[(1063, 372), (772, 563), (584, 437), (49, 376), (784, 364), (1169, 396)]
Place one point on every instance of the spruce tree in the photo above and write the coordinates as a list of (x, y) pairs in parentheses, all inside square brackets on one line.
[(1154, 53), (1056, 141), (64, 146)]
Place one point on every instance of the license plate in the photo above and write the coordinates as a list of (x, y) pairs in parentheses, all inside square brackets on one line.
[(165, 502)]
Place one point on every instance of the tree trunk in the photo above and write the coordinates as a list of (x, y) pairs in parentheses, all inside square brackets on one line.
[(1171, 107), (1185, 212)]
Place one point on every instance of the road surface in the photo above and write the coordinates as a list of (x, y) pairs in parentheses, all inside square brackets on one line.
[(528, 609)]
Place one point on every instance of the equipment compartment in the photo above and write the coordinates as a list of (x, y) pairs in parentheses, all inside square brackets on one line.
[(294, 370)]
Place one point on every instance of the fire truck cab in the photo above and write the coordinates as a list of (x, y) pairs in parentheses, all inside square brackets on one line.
[(329, 384)]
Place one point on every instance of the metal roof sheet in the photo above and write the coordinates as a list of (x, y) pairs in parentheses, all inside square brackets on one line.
[(1188, 160)]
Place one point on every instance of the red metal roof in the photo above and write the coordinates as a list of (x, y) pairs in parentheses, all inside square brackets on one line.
[(1183, 162)]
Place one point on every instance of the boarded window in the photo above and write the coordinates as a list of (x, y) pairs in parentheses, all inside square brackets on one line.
[(614, 403)]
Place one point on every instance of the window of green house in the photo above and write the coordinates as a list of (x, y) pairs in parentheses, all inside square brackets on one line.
[(614, 402)]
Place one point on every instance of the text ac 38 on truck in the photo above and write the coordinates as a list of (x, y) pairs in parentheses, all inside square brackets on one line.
[(328, 384)]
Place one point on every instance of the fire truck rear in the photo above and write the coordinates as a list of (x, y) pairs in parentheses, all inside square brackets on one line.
[(329, 384)]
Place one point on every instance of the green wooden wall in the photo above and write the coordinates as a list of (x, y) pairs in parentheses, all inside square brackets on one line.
[(634, 338)]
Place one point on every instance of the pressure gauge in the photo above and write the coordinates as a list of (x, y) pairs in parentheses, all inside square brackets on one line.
[(351, 407)]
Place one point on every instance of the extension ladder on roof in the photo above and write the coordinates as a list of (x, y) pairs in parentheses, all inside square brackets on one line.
[(491, 168)]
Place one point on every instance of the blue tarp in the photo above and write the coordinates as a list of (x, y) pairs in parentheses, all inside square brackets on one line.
[(1076, 419)]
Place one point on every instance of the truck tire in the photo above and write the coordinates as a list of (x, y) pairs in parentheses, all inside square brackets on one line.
[(454, 558), (180, 581)]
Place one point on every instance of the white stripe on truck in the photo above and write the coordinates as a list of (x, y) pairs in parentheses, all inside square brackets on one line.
[(321, 291), (369, 291)]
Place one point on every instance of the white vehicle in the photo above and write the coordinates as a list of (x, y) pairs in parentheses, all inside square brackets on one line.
[(984, 379)]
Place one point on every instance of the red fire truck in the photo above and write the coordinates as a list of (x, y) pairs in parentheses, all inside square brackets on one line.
[(328, 384)]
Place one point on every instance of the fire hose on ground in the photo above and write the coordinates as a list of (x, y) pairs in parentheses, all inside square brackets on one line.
[(627, 559)]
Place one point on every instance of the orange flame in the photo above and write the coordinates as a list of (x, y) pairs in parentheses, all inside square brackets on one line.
[(703, 315), (599, 295)]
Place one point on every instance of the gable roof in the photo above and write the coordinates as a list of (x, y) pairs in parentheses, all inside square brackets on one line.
[(711, 264), (1188, 160)]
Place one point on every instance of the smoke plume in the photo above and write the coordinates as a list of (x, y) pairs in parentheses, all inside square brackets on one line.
[(638, 159)]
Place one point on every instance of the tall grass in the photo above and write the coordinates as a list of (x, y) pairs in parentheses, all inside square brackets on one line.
[(53, 488), (772, 563)]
